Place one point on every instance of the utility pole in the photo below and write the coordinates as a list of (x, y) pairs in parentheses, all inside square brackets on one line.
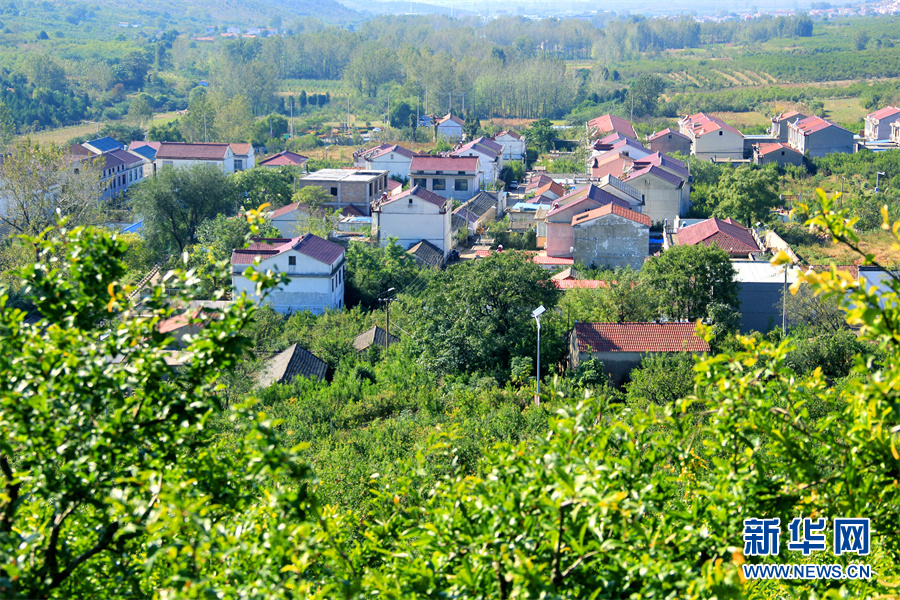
[(784, 303), (464, 104), (292, 118), (450, 103), (205, 134), (387, 301)]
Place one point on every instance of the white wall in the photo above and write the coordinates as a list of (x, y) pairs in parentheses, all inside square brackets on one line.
[(713, 145), (450, 130), (311, 285), (487, 166), (227, 164), (394, 162), (662, 200), (413, 222), (513, 149)]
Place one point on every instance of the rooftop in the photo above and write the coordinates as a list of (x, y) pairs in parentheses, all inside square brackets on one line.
[(420, 193), (308, 244), (727, 235), (348, 175), (607, 123), (374, 336), (701, 124), (186, 151), (453, 164), (293, 362), (611, 209), (638, 337), (284, 159), (884, 113)]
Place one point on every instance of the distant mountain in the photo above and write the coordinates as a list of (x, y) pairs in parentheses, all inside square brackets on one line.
[(396, 7)]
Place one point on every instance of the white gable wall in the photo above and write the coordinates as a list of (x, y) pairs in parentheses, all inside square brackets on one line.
[(311, 285)]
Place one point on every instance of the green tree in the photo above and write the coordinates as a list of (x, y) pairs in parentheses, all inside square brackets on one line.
[(175, 202), (234, 119), (746, 194), (121, 132), (39, 186), (688, 280), (165, 132), (477, 316), (540, 135), (139, 111), (313, 196), (623, 297), (644, 94), (254, 187), (372, 270), (662, 379), (7, 127), (44, 71), (199, 124), (861, 39)]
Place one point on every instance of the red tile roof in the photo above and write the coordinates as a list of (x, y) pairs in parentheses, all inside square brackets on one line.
[(552, 187), (242, 149), (884, 113), (727, 235), (392, 149), (665, 162), (813, 124), (702, 123), (510, 133), (638, 337), (284, 210), (393, 185), (667, 131), (765, 149), (787, 115), (351, 211), (607, 123), (657, 172), (185, 151), (284, 159), (579, 284), (420, 193), (450, 117), (446, 164), (311, 245), (611, 209), (552, 260), (127, 157)]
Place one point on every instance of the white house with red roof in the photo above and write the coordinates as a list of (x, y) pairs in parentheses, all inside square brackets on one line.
[(622, 346), (878, 123), (776, 153), (449, 127), (668, 141), (606, 124), (611, 236), (183, 155), (781, 122), (393, 158), (244, 156), (415, 215), (455, 177), (735, 239), (712, 138), (513, 144), (285, 158), (489, 154), (820, 137), (315, 270)]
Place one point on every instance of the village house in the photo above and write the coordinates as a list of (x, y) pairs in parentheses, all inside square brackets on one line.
[(878, 123), (548, 192), (376, 336), (427, 255), (293, 362), (392, 158), (182, 155), (285, 158), (315, 270), (559, 234), (449, 127), (618, 143), (244, 156), (615, 164), (669, 141), (629, 195), (611, 237), (712, 138), (512, 143), (819, 137), (665, 194), (352, 190), (148, 151), (781, 124), (119, 168), (489, 155), (412, 216), (736, 240), (895, 132), (760, 288), (455, 177), (777, 153), (621, 347), (604, 125), (474, 214)]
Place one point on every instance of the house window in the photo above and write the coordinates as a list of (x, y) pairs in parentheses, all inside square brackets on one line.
[(720, 133), (292, 261), (439, 184), (419, 181), (670, 136), (334, 191), (460, 172), (410, 201), (238, 164), (462, 185), (370, 189)]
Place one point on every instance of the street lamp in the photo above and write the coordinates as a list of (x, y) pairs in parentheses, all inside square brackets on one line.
[(536, 313), (878, 179)]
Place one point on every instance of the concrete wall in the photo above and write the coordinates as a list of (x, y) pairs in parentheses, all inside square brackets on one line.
[(780, 128), (560, 239), (311, 285), (488, 167), (662, 200), (358, 193), (720, 143), (227, 164), (879, 129), (611, 241), (780, 157), (829, 141), (450, 131), (411, 222), (670, 143), (513, 149), (450, 191)]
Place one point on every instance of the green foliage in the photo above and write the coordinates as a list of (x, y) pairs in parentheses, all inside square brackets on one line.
[(477, 315), (746, 194), (687, 280), (257, 186), (121, 132), (165, 132), (625, 297), (177, 201), (662, 379), (372, 270), (644, 95), (539, 135)]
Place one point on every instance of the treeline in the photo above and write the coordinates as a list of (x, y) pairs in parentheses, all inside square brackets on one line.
[(38, 108)]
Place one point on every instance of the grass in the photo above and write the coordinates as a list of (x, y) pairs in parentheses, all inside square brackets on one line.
[(64, 134)]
